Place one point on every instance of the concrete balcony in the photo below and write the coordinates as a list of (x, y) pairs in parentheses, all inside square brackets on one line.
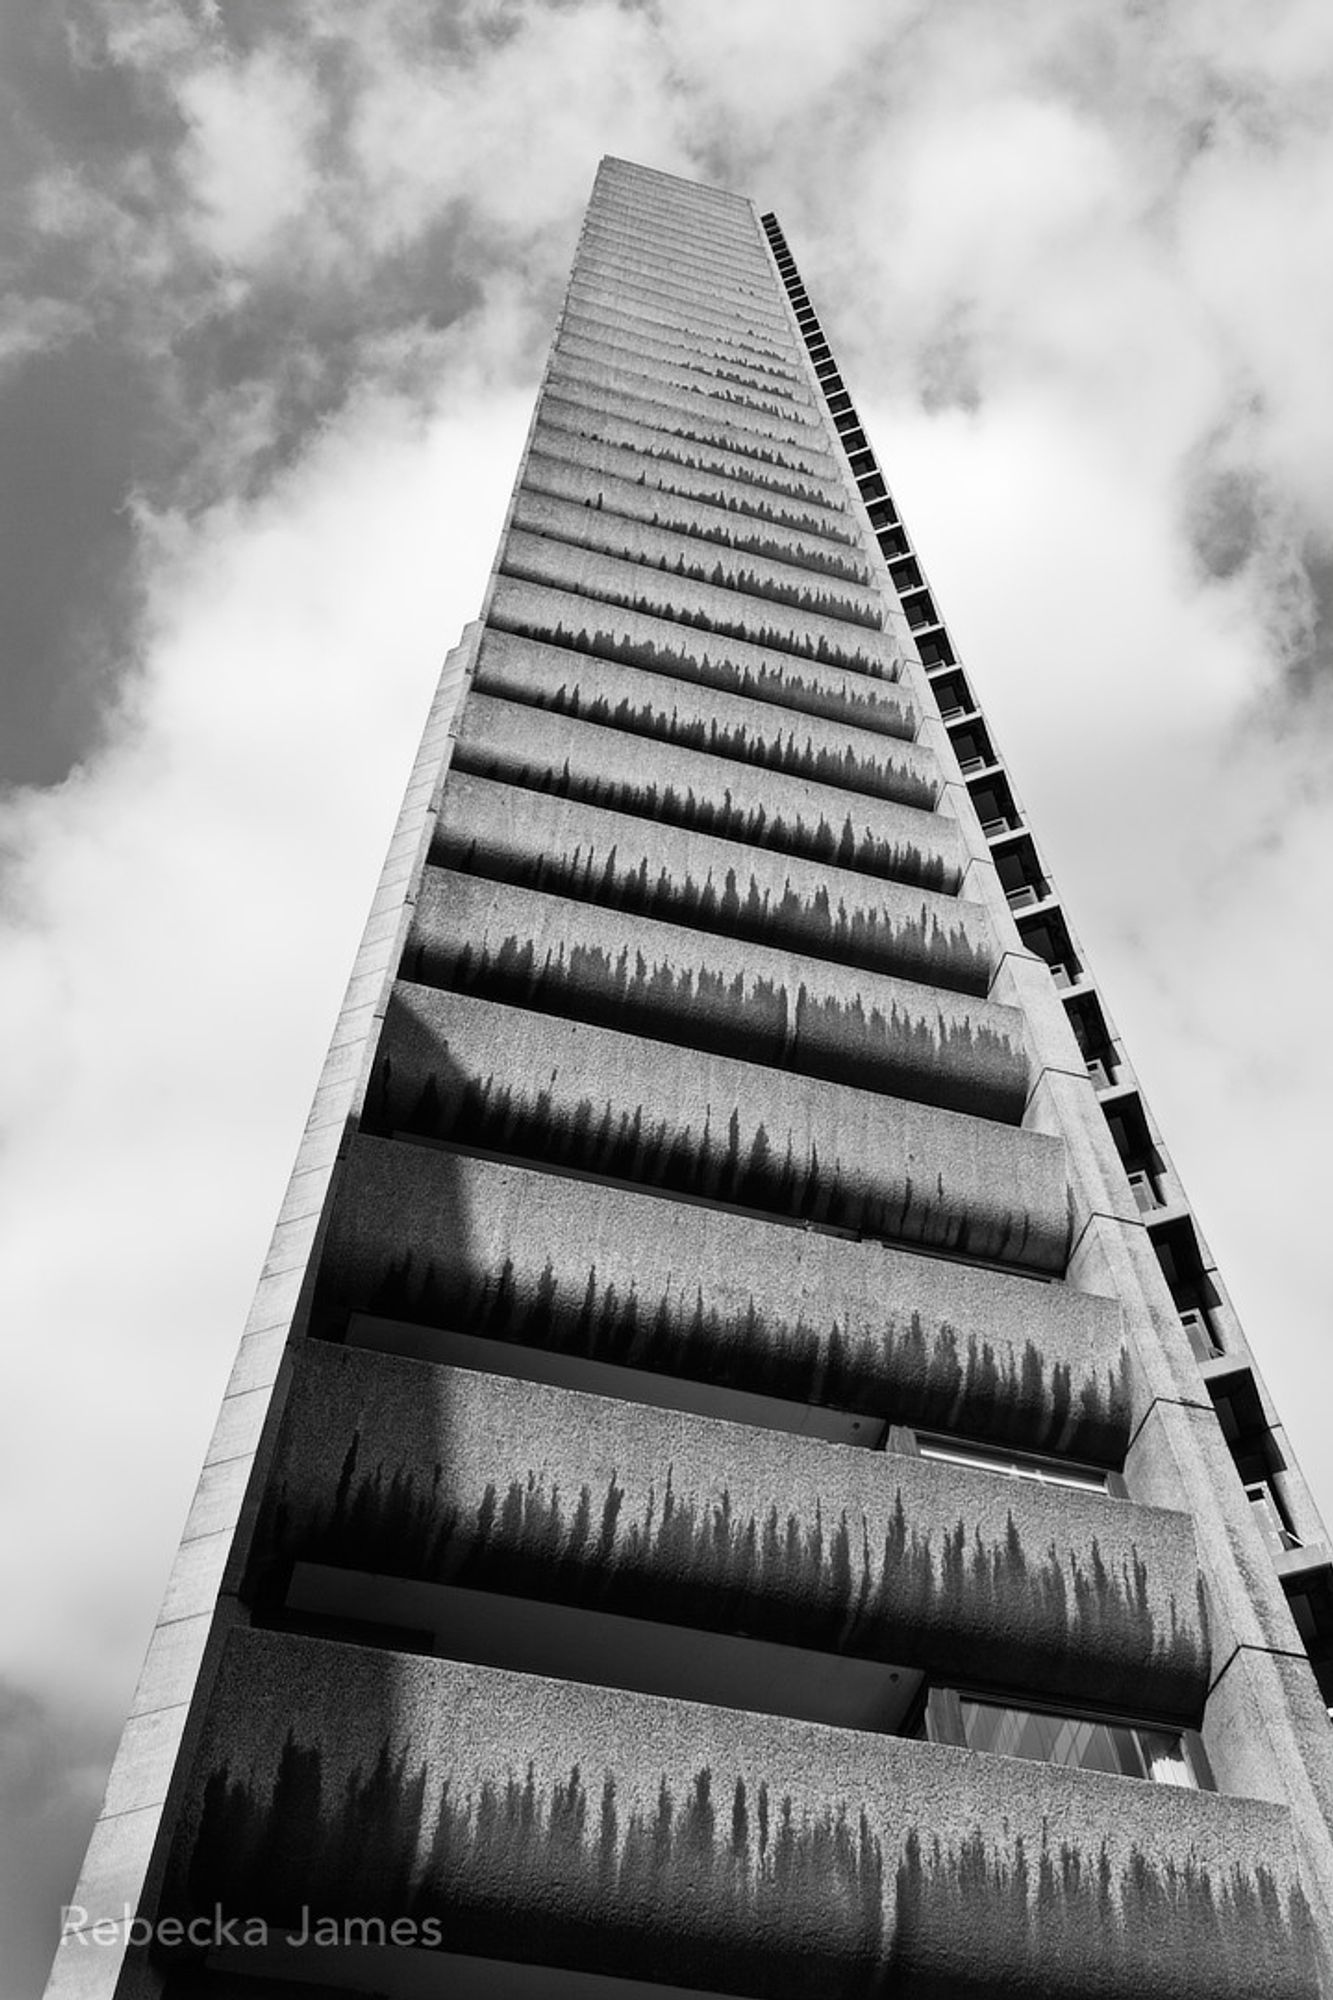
[(671, 251), (690, 878), (702, 991), (657, 310), (537, 1820), (754, 300), (686, 247), (771, 624), (737, 497), (562, 410), (747, 413), (781, 375), (659, 1301), (748, 317), (609, 336), (548, 752), (445, 1476), (672, 258), (644, 372), (695, 418), (793, 713), (709, 525), (586, 1099), (690, 554)]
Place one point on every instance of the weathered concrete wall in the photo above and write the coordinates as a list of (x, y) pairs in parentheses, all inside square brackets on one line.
[(650, 678), (791, 402), (673, 419), (695, 878), (444, 1475), (712, 525), (564, 409), (454, 1068), (691, 556), (443, 1240), (560, 434), (571, 757), (709, 992), (625, 1834), (677, 617)]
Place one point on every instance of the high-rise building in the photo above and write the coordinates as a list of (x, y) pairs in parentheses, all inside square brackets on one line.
[(742, 1475)]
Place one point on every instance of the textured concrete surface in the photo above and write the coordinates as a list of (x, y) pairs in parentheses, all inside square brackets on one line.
[(572, 757), (702, 990), (457, 1069), (395, 1467), (444, 1240), (694, 878), (635, 1835)]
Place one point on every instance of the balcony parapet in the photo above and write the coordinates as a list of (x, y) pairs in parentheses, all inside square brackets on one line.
[(747, 302), (604, 766), (588, 1099), (601, 424), (709, 526), (447, 1241), (637, 364), (695, 419), (687, 554), (676, 600), (784, 375), (451, 1477), (657, 311), (744, 318), (669, 260), (738, 497), (746, 413), (672, 249), (604, 336), (570, 849), (703, 991), (633, 1835), (611, 653)]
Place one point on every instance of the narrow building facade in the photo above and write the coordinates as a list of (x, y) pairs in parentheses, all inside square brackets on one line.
[(742, 1476)]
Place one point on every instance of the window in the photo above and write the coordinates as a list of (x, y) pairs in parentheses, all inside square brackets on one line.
[(1078, 1742), (1195, 1321), (1145, 1190), (1271, 1515), (1014, 1464)]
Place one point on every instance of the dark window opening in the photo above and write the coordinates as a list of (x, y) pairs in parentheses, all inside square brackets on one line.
[(1049, 938)]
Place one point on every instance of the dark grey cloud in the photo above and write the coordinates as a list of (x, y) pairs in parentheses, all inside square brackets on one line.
[(1224, 515), (52, 1760), (143, 370), (75, 426)]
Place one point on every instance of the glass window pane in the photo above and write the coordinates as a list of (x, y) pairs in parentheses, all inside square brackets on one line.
[(1080, 1743)]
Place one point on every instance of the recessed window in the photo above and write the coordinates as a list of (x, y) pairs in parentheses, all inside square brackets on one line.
[(1118, 1746), (1121, 1749), (1042, 1470)]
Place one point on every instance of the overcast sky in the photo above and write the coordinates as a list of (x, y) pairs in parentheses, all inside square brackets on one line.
[(278, 283)]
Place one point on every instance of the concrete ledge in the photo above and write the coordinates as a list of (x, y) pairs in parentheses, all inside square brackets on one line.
[(694, 878), (582, 1098), (440, 1240), (778, 1859)]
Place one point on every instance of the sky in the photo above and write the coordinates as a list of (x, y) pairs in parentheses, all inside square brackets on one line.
[(277, 285)]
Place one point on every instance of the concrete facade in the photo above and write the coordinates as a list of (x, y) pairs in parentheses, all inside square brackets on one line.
[(723, 1488)]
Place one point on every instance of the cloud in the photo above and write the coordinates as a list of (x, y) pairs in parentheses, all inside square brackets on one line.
[(278, 285)]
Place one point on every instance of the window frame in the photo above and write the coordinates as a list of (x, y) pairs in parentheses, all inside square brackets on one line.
[(1038, 1468), (939, 1719)]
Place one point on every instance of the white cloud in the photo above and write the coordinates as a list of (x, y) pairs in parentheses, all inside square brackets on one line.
[(250, 161)]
